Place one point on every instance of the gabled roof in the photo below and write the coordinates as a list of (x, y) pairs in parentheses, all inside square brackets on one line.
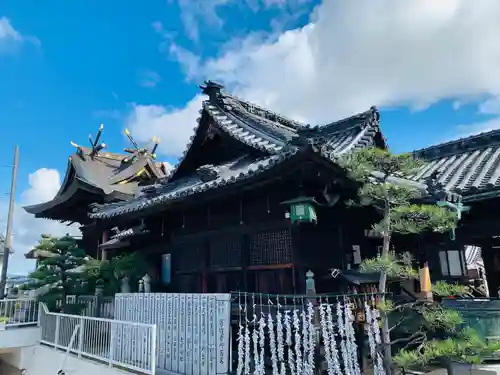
[(108, 175), (206, 178), (270, 133), (280, 141), (468, 166), (240, 172)]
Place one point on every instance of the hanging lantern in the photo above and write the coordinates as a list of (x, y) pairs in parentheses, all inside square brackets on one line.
[(301, 210), (458, 208)]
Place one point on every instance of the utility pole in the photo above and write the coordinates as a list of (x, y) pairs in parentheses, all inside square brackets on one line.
[(8, 234)]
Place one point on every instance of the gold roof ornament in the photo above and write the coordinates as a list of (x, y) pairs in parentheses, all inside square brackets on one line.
[(135, 150), (96, 146), (156, 142)]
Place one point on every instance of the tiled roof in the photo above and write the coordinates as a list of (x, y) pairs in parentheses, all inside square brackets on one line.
[(467, 166), (210, 178), (271, 133), (277, 138), (105, 172), (207, 178), (129, 232)]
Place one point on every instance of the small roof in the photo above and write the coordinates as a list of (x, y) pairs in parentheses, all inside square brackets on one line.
[(122, 238), (359, 278), (468, 166), (108, 175), (38, 254)]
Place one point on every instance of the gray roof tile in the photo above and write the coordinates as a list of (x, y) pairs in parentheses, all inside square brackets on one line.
[(231, 172), (104, 171), (465, 166), (274, 135)]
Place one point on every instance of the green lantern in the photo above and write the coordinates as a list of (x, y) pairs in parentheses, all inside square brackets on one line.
[(458, 208), (302, 210)]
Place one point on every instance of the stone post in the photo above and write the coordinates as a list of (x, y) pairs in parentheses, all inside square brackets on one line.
[(147, 283)]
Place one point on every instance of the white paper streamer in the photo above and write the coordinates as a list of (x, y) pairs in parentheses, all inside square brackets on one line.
[(298, 342), (281, 342), (343, 344)]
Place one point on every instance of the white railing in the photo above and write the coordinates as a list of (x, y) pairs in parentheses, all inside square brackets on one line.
[(98, 307), (127, 345), (18, 312)]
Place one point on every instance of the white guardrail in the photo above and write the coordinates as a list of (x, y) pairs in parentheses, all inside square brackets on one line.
[(18, 312), (101, 339)]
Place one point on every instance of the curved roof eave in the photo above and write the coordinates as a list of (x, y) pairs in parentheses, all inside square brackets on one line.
[(75, 185)]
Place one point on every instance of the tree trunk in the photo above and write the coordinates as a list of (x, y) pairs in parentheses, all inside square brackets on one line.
[(385, 336)]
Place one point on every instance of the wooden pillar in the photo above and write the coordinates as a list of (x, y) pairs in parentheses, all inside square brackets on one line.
[(492, 273), (204, 272), (299, 269), (104, 238), (245, 260)]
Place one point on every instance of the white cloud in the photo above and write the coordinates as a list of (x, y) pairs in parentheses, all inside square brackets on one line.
[(490, 106), (148, 78), (173, 126), (43, 186), (354, 54), (9, 36), (7, 31), (476, 128), (168, 166), (195, 14)]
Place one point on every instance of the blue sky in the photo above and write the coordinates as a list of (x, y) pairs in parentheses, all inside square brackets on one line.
[(67, 66)]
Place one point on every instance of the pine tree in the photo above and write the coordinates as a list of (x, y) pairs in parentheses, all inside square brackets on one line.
[(436, 333), (59, 272), (379, 172)]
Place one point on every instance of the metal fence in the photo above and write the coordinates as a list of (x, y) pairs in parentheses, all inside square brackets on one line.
[(101, 339), (481, 314), (18, 312), (96, 306)]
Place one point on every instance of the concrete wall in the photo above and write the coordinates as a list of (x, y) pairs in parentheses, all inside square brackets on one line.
[(17, 337), (17, 358), (41, 360), (6, 369), (481, 369)]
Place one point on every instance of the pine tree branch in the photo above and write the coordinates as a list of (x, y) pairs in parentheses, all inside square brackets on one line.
[(399, 323), (411, 338)]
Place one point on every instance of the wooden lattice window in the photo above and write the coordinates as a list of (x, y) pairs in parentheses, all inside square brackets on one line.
[(225, 282), (225, 251), (188, 256), (188, 283), (272, 281), (271, 247)]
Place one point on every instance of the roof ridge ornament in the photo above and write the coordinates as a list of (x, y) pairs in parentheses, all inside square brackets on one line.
[(212, 90), (207, 172), (432, 181), (136, 151), (96, 146), (375, 113)]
